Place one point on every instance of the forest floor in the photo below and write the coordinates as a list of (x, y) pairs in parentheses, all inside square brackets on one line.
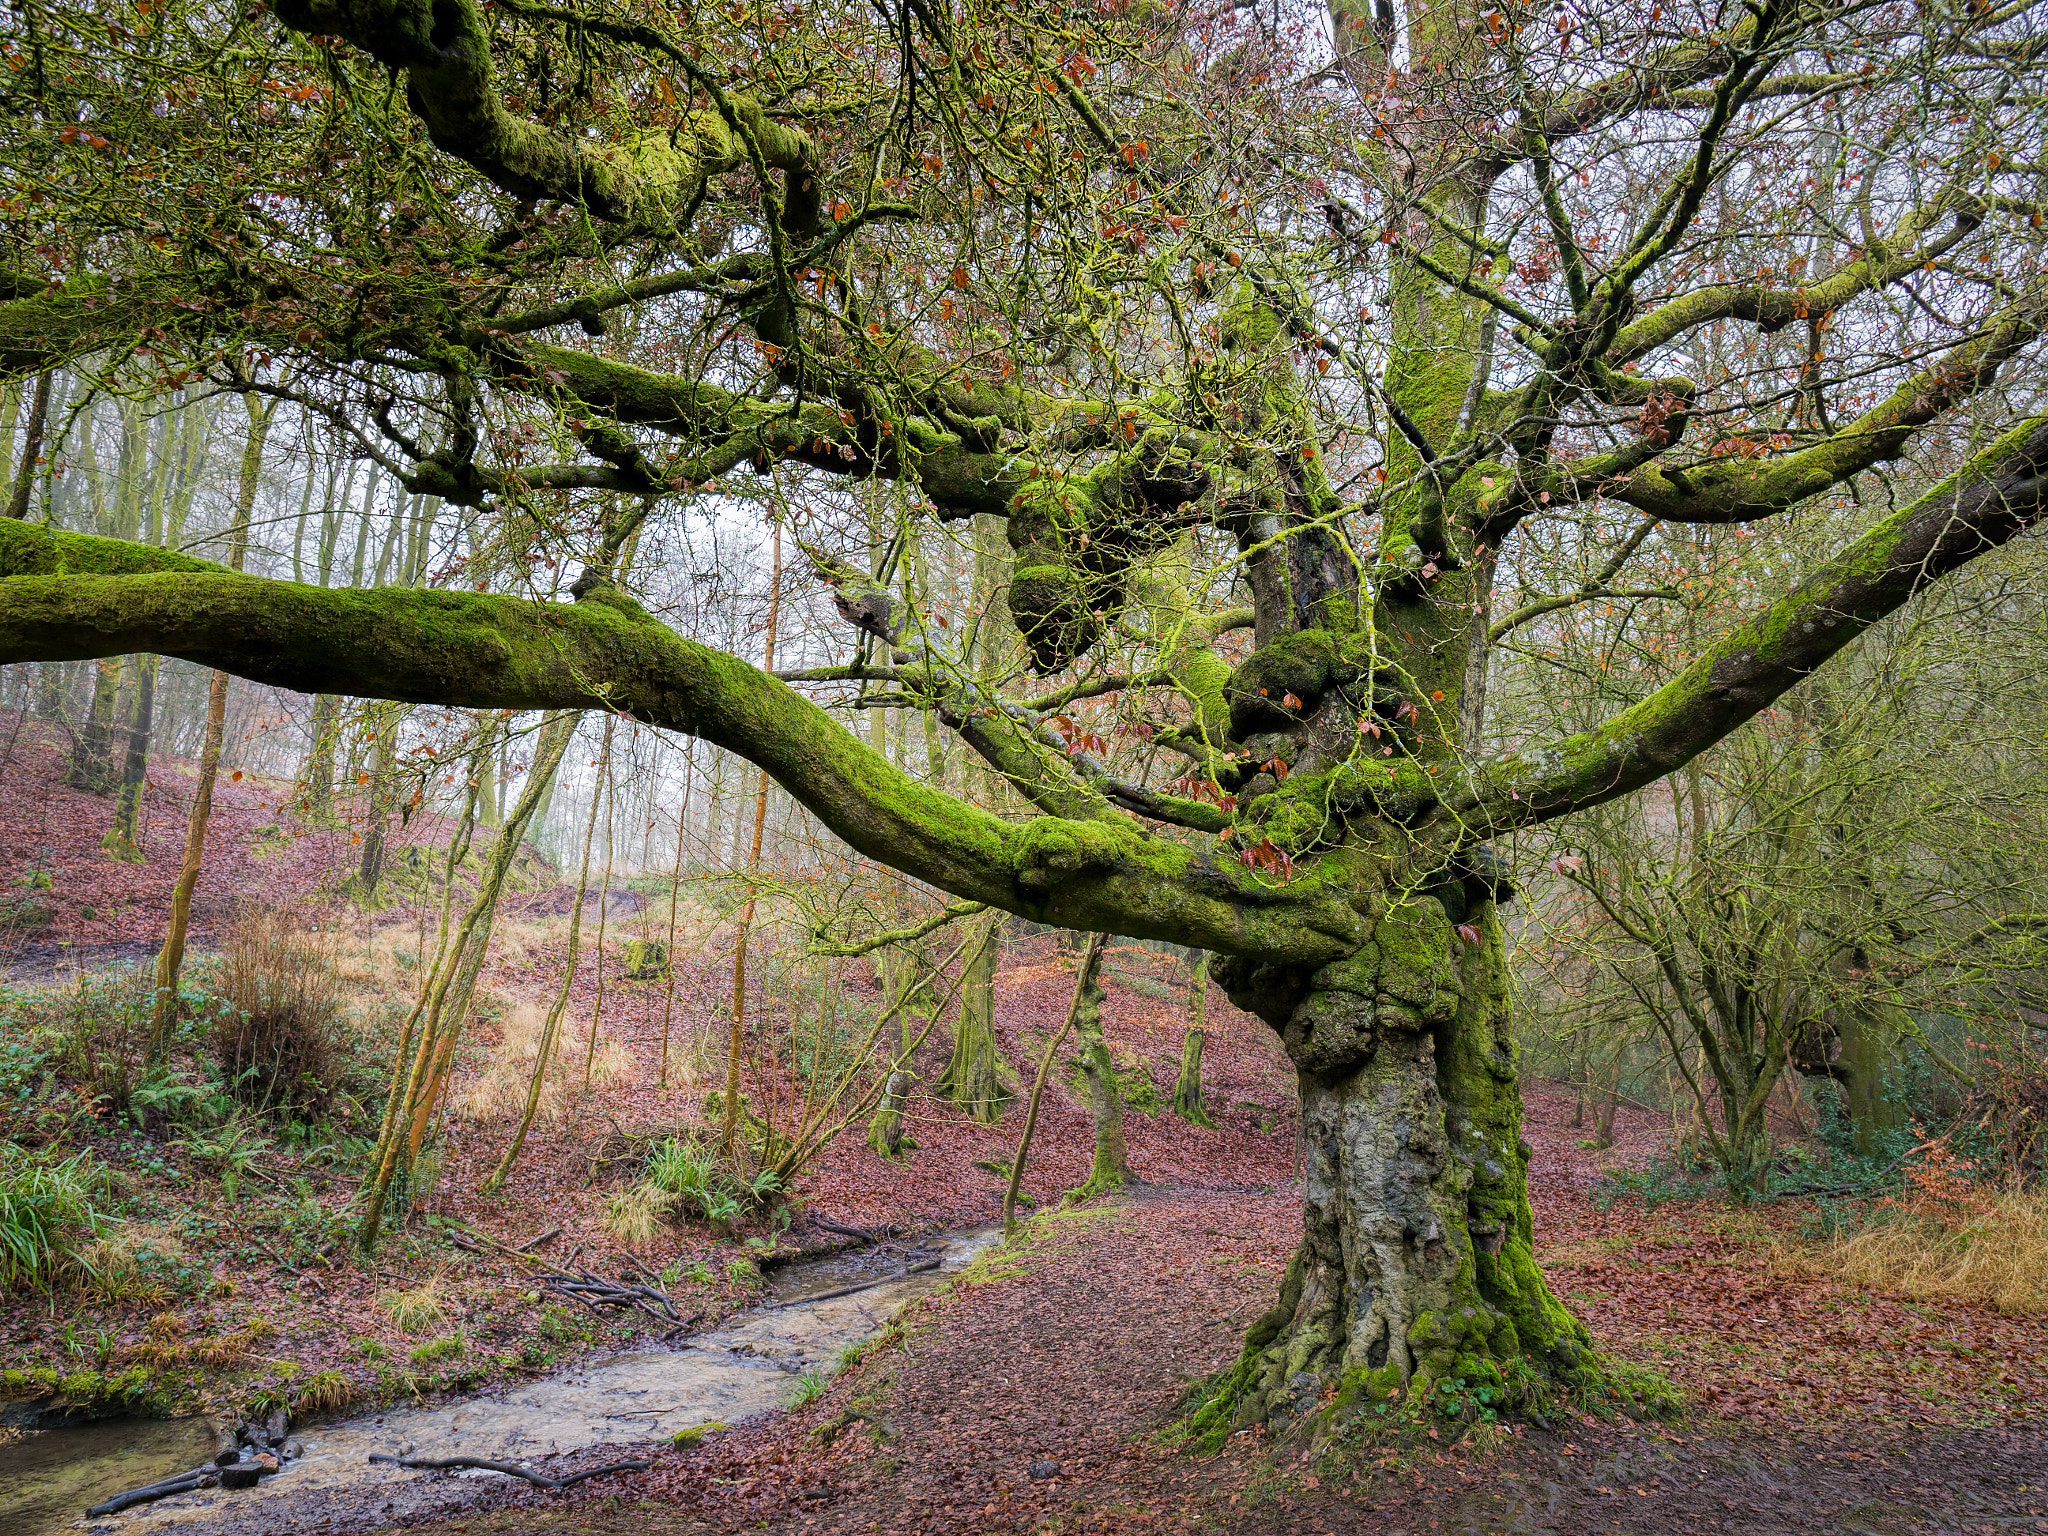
[(1811, 1405), (258, 1271), (1040, 1391)]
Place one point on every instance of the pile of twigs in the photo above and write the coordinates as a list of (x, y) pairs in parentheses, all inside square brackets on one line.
[(594, 1291), (584, 1285)]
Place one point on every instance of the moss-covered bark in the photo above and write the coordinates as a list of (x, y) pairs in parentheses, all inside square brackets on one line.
[(970, 1079), (124, 833), (885, 1126), (1111, 1166), (90, 766), (1187, 1087), (1416, 1268), (478, 650)]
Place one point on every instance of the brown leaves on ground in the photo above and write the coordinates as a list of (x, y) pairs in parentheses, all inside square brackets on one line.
[(1816, 1407)]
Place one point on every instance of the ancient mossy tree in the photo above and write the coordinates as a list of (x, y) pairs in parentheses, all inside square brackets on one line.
[(1305, 387)]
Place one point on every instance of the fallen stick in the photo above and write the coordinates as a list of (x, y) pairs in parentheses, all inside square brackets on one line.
[(833, 1226), (510, 1469), (184, 1482), (534, 1242), (865, 1285)]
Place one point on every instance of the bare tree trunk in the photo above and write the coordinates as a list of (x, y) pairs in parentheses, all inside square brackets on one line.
[(675, 887), (1111, 1169), (171, 959), (970, 1079), (92, 753), (1087, 995), (604, 896), (123, 838), (735, 1048), (1607, 1094), (319, 771), (885, 1129), (384, 763)]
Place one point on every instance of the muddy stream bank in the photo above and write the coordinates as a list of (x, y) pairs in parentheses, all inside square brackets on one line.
[(626, 1401)]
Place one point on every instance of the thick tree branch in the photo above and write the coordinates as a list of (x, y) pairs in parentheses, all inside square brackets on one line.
[(72, 596), (2003, 491), (1774, 308), (444, 47), (816, 434), (1740, 490)]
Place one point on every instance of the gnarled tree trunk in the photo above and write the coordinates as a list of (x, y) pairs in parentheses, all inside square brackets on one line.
[(1415, 1268)]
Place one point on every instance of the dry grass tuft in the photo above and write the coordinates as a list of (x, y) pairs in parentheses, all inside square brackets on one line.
[(1993, 1252), (230, 1348), (328, 1392), (113, 1262), (419, 1310), (166, 1345), (501, 1091), (635, 1216), (277, 1044), (517, 941), (383, 960)]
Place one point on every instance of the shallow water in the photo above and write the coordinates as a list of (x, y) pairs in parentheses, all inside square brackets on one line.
[(48, 1478), (740, 1371)]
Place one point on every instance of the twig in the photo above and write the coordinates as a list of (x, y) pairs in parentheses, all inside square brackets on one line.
[(534, 1242), (865, 1285), (510, 1469)]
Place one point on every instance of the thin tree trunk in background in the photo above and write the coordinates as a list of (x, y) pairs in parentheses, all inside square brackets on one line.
[(14, 732), (675, 886), (487, 792), (1607, 1094), (970, 1078), (729, 1127), (550, 1031), (91, 767), (31, 449), (123, 839), (384, 763), (53, 688), (1187, 1088), (413, 1060), (447, 1010), (171, 959), (319, 772), (1087, 994), (604, 894)]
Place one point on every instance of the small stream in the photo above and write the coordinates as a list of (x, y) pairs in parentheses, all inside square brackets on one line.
[(740, 1371)]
